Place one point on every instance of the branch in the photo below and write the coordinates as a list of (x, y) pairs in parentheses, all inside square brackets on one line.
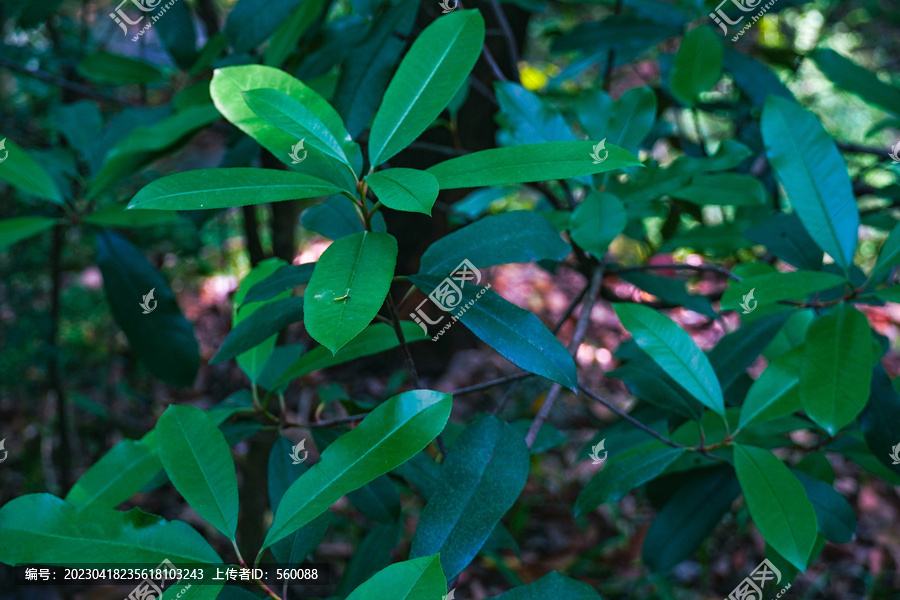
[(628, 417), (858, 149), (56, 80), (510, 38), (402, 339), (678, 266)]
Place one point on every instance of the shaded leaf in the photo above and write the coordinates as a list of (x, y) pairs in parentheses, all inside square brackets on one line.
[(409, 190)]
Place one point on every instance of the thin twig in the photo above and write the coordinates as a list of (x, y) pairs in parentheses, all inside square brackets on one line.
[(492, 383), (81, 90), (510, 38), (677, 266), (858, 149), (628, 417), (402, 339), (492, 63), (611, 56)]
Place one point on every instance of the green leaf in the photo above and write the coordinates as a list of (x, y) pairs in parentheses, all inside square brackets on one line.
[(265, 322), (773, 287), (162, 339), (366, 71), (625, 122), (777, 503), (725, 189), (735, 352), (889, 294), (837, 368), (44, 529), (224, 188), (674, 351), (348, 287), (378, 500), (888, 257), (184, 590), (754, 78), (517, 236), (15, 230), (252, 21), (515, 333), (776, 392), (689, 516), (625, 471), (528, 163), (553, 585), (284, 279), (199, 464), (226, 90), (115, 69), (409, 190), (672, 291), (389, 436), (834, 514), (597, 221), (23, 172), (417, 579), (253, 359), (372, 340), (372, 555), (879, 419), (128, 466), (784, 236), (289, 33), (856, 79), (814, 175), (292, 117), (482, 476), (178, 35), (338, 216), (697, 66), (435, 67)]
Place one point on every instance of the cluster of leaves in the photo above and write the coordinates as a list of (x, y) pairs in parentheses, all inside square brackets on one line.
[(708, 430)]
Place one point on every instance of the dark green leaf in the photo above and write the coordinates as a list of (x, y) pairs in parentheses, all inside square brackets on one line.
[(178, 36), (880, 418), (674, 351), (372, 555), (198, 461), (409, 190), (837, 368), (115, 69), (528, 119), (597, 221), (777, 503), (773, 287), (888, 257), (417, 579), (252, 21), (254, 358), (672, 291), (435, 67), (517, 236), (44, 529), (128, 466), (625, 122), (738, 350), (284, 279), (338, 216), (115, 215), (814, 175), (726, 189), (15, 230), (858, 80), (23, 172), (389, 436), (348, 287), (784, 236), (528, 163), (697, 66), (515, 333), (776, 392), (482, 476), (162, 339), (833, 513), (753, 77), (266, 321), (552, 585)]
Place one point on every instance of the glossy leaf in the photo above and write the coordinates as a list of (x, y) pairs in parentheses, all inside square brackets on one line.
[(517, 236), (44, 529), (597, 221), (338, 216), (784, 236), (725, 189), (770, 288), (374, 339), (674, 351), (416, 579), (24, 173), (814, 175), (252, 21), (482, 476), (17, 229), (528, 163), (527, 118), (697, 66), (515, 333), (224, 188), (834, 515), (128, 466), (777, 503), (625, 122), (348, 287), (735, 352), (435, 67), (199, 464), (408, 190), (183, 590), (162, 339), (776, 392), (117, 215), (286, 38), (837, 368), (116, 69), (389, 436), (625, 471), (252, 359), (265, 322), (372, 555)]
